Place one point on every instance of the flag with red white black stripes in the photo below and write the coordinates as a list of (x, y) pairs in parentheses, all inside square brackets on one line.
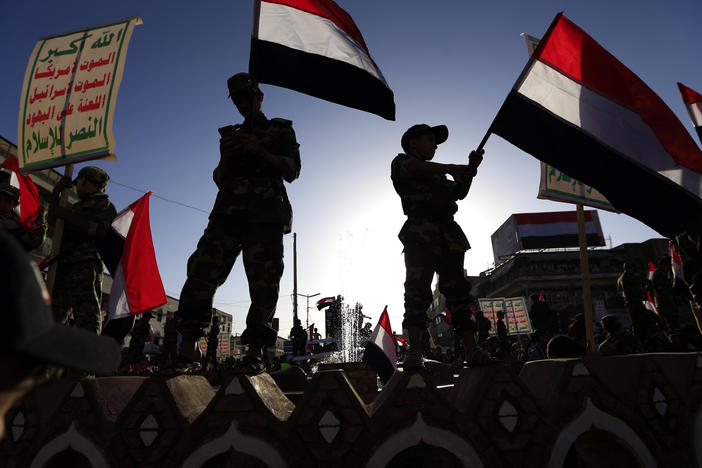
[(314, 47), (579, 109)]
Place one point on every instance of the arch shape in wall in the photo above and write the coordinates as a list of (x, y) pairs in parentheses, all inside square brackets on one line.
[(75, 440), (594, 417), (241, 443), (422, 432)]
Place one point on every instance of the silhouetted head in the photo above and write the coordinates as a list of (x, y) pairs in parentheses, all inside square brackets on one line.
[(421, 140)]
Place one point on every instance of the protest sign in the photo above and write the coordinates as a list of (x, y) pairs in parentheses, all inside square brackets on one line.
[(69, 94), (516, 314)]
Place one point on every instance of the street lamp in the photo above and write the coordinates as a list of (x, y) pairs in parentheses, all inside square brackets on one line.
[(307, 322)]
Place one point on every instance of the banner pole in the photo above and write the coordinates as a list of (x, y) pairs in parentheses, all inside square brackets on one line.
[(58, 235), (585, 270)]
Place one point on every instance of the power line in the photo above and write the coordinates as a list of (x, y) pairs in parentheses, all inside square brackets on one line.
[(162, 198)]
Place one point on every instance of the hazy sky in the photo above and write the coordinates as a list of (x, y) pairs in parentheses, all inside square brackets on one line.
[(448, 62)]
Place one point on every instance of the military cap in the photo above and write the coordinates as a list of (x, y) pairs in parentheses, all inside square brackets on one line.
[(241, 83), (6, 184), (440, 133), (95, 175)]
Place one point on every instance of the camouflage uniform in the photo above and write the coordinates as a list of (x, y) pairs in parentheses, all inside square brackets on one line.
[(29, 240), (250, 215), (433, 243), (78, 286)]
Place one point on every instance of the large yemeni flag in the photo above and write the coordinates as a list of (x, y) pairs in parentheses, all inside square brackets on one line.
[(676, 262), (578, 108), (29, 203), (693, 103), (313, 46), (380, 350), (137, 285)]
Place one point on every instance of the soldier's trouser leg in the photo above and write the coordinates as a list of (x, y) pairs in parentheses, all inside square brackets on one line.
[(78, 288), (420, 265), (263, 263), (456, 289), (208, 268)]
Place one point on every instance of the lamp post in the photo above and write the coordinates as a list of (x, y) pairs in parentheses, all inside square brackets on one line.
[(307, 322)]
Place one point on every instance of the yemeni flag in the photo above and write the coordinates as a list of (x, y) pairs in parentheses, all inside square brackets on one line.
[(29, 203), (541, 296), (380, 350), (314, 47), (325, 302), (579, 109), (128, 254), (676, 262), (649, 304), (651, 271), (445, 316), (693, 103)]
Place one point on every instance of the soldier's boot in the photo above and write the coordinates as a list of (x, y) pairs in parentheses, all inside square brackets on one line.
[(413, 358), (252, 363)]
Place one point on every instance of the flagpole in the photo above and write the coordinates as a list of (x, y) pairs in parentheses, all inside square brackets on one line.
[(294, 277), (58, 235), (585, 270)]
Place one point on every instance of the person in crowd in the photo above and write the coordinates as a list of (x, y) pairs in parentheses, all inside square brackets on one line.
[(34, 346), (78, 286), (29, 235), (250, 216), (618, 341), (537, 346), (563, 346)]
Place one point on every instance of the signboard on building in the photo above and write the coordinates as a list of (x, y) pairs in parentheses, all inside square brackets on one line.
[(69, 95), (548, 230), (516, 314), (557, 186)]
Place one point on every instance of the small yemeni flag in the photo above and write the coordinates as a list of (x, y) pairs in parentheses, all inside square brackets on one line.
[(137, 285), (446, 316), (693, 102), (401, 342), (541, 296), (380, 350), (676, 262), (651, 270), (579, 109), (28, 209), (314, 47), (325, 302), (310, 337), (649, 304)]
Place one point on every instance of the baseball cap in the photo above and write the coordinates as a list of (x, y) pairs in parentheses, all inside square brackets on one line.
[(6, 183), (440, 133), (241, 83), (95, 175), (27, 325)]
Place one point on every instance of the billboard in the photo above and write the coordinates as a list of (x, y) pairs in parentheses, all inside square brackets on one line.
[(550, 230), (515, 310), (69, 95)]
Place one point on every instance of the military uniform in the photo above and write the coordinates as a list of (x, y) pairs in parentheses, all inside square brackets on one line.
[(250, 215), (78, 286), (433, 243)]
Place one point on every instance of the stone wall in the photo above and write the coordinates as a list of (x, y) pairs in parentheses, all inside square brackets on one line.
[(642, 410)]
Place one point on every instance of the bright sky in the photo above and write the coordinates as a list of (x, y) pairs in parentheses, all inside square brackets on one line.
[(450, 62)]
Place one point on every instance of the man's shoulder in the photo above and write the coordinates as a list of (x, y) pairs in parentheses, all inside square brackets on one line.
[(280, 122)]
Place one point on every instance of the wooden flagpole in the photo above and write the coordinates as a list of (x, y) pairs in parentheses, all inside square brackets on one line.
[(585, 270)]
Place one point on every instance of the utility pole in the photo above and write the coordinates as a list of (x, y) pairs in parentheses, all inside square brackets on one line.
[(294, 277), (308, 306)]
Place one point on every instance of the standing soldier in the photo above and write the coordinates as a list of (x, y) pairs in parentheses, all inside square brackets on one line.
[(250, 215), (10, 222), (212, 343), (433, 242), (78, 286)]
